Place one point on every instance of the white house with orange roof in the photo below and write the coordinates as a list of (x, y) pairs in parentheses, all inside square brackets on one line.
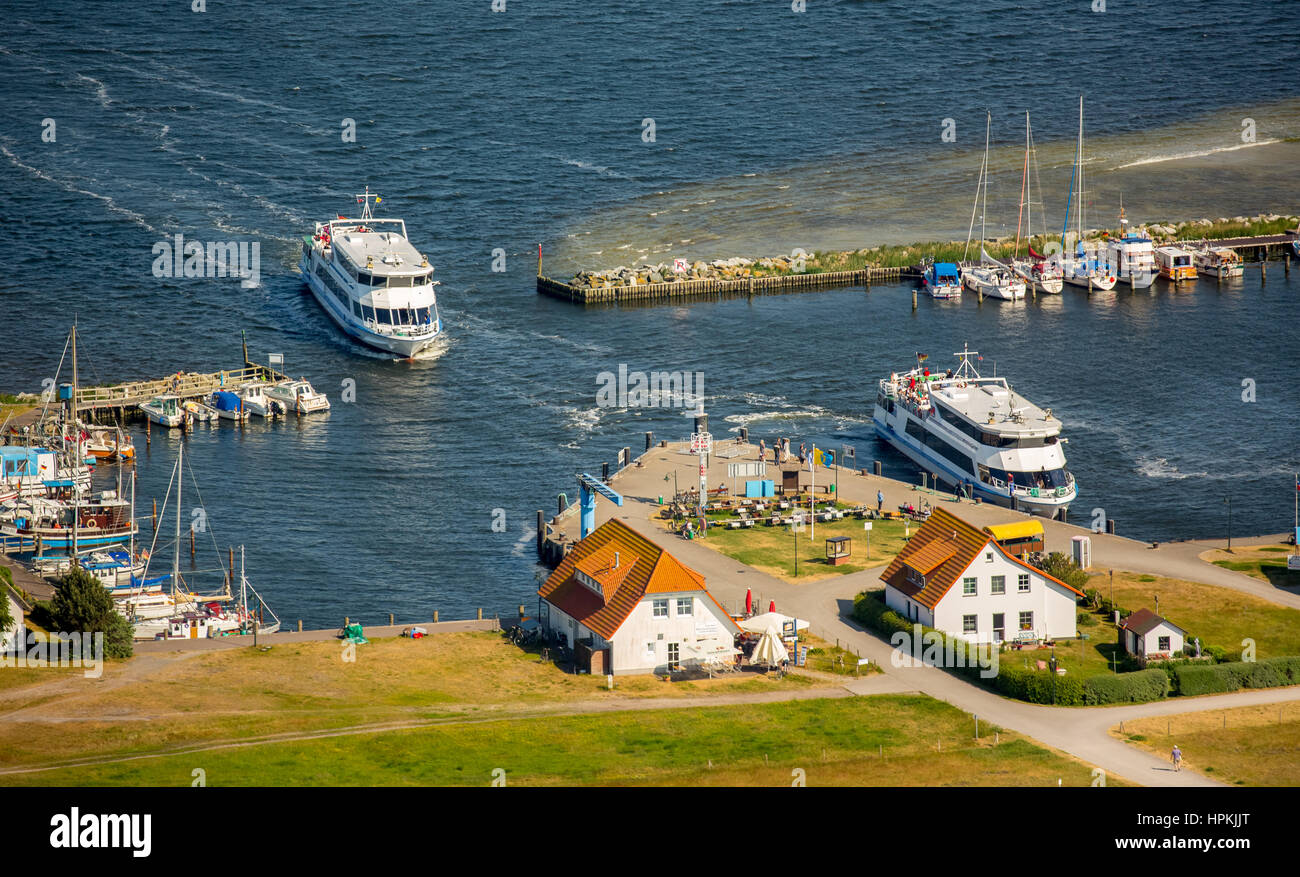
[(627, 606), (956, 578)]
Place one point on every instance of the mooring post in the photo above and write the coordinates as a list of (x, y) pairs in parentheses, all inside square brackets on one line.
[(541, 530), (155, 514), (435, 616), (480, 615), (300, 625), (390, 619), (1263, 268), (913, 299)]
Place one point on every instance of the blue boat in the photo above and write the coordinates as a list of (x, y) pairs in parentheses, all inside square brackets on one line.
[(228, 405), (942, 280)]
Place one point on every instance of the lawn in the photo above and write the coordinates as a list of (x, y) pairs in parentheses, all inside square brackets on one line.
[(157, 700), (1245, 746), (1264, 562), (772, 549), (1218, 616), (905, 740)]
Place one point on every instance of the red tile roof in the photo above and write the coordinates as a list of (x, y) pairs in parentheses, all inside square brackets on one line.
[(643, 568), (1144, 621), (947, 545)]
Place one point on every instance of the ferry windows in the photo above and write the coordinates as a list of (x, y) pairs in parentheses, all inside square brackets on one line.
[(422, 315), (368, 313), (381, 315), (356, 309)]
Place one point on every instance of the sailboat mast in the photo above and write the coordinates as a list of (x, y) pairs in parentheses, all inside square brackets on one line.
[(1024, 181), (984, 207), (131, 560), (1079, 212), (180, 477)]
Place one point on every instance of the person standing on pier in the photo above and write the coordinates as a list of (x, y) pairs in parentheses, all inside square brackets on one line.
[(880, 501), (762, 450)]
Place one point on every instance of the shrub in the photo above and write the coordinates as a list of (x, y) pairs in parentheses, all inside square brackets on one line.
[(1140, 686), (1062, 567), (1194, 679)]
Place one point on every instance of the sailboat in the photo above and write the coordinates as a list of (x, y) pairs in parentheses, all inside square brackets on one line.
[(183, 614), (1036, 268), (1083, 268), (990, 277)]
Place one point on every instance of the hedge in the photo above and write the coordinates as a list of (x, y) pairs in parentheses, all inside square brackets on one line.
[(1140, 686), (1192, 679)]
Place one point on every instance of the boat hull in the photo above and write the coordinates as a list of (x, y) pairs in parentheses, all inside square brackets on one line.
[(405, 347)]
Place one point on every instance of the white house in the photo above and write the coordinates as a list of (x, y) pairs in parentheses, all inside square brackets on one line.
[(1150, 637), (626, 606), (956, 578)]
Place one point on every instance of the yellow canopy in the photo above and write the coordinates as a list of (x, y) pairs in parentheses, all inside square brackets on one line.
[(1018, 530)]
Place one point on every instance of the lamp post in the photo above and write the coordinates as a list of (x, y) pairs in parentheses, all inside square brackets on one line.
[(796, 523), (1228, 501), (1052, 664)]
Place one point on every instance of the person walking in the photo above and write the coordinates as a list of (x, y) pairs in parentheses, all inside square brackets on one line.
[(1177, 757)]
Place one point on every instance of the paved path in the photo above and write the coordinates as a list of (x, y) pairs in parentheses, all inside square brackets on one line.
[(826, 604)]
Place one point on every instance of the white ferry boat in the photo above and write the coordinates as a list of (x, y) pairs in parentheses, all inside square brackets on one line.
[(370, 280), (978, 434)]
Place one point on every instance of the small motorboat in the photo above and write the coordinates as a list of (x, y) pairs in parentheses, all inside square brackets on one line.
[(164, 410), (942, 280), (199, 412), (298, 396), (253, 395), (107, 445), (1175, 263), (1217, 261), (228, 405)]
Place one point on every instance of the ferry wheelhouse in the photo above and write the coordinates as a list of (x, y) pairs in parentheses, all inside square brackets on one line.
[(977, 433), (372, 282)]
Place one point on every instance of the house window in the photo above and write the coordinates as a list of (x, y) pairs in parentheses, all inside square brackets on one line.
[(1026, 620), (661, 608), (968, 624), (999, 584), (685, 605), (999, 627), (673, 662), (1164, 643), (1022, 583), (968, 586), (988, 557)]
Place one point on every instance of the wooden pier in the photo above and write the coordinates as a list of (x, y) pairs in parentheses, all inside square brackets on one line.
[(127, 396), (662, 292)]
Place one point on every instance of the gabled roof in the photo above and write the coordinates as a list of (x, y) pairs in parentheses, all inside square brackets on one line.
[(1144, 621), (643, 568), (955, 545)]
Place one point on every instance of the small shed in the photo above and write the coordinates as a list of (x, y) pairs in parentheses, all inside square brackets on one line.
[(838, 550), (1150, 637)]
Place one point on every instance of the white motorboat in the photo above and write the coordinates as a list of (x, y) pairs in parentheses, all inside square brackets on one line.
[(200, 413), (255, 400), (977, 434), (1132, 256), (372, 282), (298, 397), (228, 405), (941, 280), (1217, 261), (164, 410)]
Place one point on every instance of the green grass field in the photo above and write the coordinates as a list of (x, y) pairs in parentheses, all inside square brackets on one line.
[(1246, 746), (883, 740)]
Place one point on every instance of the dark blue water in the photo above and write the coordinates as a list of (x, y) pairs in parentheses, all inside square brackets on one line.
[(485, 131)]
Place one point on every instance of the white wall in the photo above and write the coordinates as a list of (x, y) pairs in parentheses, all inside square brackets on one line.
[(907, 607), (1152, 641), (706, 628), (1053, 605)]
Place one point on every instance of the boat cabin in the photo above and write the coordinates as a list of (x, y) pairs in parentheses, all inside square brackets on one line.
[(1175, 263)]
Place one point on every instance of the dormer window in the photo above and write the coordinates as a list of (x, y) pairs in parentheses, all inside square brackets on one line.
[(589, 582)]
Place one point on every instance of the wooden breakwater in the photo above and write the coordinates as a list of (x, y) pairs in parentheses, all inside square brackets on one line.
[(679, 289)]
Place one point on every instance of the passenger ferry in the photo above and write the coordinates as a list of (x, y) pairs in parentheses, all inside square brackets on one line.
[(978, 434), (370, 280), (1175, 263)]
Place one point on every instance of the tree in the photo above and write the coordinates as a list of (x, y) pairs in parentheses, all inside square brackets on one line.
[(6, 617), (82, 604), (1062, 567)]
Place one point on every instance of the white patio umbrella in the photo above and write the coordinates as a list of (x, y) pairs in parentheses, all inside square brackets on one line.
[(769, 649), (760, 623)]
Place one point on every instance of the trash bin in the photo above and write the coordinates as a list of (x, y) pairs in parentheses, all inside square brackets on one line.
[(661, 499)]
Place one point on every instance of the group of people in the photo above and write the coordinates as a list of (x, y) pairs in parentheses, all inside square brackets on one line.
[(781, 451)]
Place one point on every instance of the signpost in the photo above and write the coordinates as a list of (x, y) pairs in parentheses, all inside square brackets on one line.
[(866, 525)]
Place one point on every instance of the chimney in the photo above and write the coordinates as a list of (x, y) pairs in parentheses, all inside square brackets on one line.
[(615, 560)]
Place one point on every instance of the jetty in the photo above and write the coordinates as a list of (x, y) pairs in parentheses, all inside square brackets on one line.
[(672, 290), (727, 278)]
